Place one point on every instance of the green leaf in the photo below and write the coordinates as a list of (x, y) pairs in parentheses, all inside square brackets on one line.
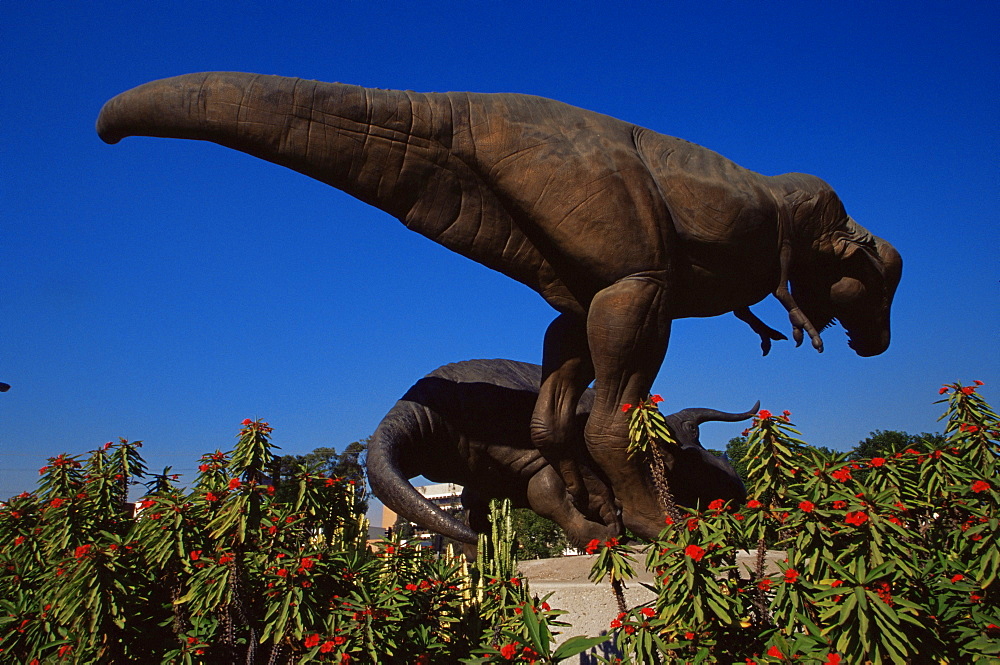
[(575, 645)]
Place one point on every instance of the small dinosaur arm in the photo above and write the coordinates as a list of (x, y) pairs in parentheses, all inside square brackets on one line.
[(469, 423), (620, 229)]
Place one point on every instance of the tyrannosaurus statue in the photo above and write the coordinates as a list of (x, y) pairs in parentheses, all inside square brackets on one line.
[(620, 229)]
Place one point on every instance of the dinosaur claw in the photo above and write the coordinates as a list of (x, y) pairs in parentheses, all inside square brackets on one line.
[(797, 336)]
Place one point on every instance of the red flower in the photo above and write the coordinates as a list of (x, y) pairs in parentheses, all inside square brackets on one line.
[(327, 647), (648, 612), (234, 483), (56, 502), (978, 382), (791, 576), (282, 572), (225, 558), (694, 552), (980, 486), (877, 461), (957, 578), (775, 652), (717, 504), (203, 467), (65, 649), (807, 506), (753, 503), (626, 407), (857, 518), (764, 584), (689, 636), (508, 651), (655, 399), (593, 545), (195, 555), (339, 639), (81, 551), (211, 496), (942, 390), (616, 623), (312, 641), (764, 414), (836, 583), (839, 505), (19, 540), (629, 629), (250, 422), (612, 543), (842, 475), (968, 390), (832, 659)]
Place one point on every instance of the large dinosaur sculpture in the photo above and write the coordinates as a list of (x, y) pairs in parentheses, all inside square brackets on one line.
[(469, 423), (620, 229)]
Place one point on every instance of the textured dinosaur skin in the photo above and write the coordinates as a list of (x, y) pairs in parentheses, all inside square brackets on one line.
[(469, 423), (620, 229)]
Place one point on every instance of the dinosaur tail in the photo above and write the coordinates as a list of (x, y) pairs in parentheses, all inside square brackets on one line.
[(363, 141), (392, 439), (409, 154)]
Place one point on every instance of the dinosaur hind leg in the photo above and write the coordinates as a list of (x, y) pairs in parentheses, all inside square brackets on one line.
[(566, 373), (628, 329)]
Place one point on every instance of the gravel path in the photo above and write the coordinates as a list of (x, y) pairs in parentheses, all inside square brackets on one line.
[(590, 607)]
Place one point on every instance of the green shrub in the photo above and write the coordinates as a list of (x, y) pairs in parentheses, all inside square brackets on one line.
[(887, 560)]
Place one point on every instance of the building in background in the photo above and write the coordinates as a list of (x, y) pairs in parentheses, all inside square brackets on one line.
[(446, 496)]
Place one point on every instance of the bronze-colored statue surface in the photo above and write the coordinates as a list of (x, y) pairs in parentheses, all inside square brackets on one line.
[(470, 423), (619, 228)]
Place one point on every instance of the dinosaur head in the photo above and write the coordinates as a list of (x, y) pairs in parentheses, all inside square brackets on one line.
[(838, 271), (855, 288)]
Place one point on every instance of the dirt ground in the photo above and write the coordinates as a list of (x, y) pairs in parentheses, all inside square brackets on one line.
[(590, 608)]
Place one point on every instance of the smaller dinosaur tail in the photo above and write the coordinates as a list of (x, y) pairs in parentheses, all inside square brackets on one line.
[(388, 482)]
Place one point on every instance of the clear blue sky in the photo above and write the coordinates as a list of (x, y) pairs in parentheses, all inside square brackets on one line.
[(165, 290)]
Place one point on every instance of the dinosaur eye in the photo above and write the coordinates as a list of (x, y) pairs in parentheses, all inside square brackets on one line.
[(847, 291)]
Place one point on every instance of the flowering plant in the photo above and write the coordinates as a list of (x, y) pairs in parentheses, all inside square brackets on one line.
[(884, 560)]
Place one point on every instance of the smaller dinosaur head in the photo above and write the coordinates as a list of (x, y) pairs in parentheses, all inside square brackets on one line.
[(698, 476)]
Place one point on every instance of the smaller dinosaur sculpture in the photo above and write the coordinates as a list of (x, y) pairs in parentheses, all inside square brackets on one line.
[(469, 423)]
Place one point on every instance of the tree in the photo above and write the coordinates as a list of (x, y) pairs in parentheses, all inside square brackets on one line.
[(537, 536), (349, 465), (883, 443), (736, 450)]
